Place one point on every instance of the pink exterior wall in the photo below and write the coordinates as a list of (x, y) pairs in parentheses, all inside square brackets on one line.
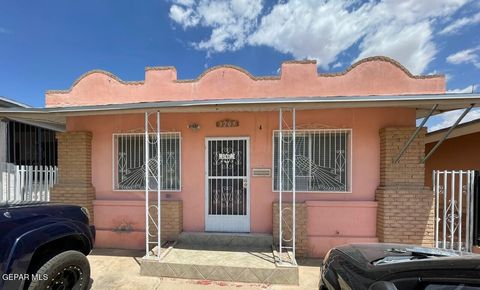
[(333, 218), (332, 223), (372, 76), (325, 218)]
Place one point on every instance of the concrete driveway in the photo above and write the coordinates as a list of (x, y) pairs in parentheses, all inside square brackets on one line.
[(119, 269)]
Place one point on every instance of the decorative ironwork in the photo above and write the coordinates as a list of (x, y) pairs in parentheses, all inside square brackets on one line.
[(227, 178), (131, 162), (152, 140), (454, 209), (227, 157), (287, 233), (153, 228), (285, 162), (452, 218), (321, 160)]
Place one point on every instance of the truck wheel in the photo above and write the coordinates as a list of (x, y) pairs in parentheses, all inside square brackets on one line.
[(65, 271)]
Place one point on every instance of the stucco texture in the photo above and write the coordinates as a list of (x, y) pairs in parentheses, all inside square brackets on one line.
[(259, 126), (333, 218)]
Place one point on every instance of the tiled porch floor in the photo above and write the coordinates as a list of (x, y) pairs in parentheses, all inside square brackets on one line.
[(221, 261), (237, 257)]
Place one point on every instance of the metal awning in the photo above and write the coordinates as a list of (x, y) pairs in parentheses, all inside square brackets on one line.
[(422, 103), (56, 117), (39, 123)]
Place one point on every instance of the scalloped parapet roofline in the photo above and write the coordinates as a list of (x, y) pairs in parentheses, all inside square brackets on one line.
[(160, 83)]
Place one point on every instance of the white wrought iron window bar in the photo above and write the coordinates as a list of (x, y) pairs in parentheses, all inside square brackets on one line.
[(321, 163), (129, 161)]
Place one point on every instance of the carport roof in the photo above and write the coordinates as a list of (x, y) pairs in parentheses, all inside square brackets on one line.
[(461, 130)]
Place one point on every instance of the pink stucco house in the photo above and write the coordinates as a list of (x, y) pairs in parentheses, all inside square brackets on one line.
[(220, 155)]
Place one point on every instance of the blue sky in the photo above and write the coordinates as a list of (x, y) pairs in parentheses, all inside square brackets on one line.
[(48, 44)]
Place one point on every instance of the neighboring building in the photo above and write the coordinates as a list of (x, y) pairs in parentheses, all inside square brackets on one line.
[(6, 103), (24, 141), (28, 155), (460, 151), (219, 157)]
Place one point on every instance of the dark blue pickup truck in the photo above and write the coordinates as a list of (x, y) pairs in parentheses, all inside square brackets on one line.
[(44, 246)]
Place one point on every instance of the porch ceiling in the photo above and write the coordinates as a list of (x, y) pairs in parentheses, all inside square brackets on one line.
[(423, 104)]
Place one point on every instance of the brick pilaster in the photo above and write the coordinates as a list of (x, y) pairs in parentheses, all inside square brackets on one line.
[(171, 219), (405, 206), (74, 170), (301, 239)]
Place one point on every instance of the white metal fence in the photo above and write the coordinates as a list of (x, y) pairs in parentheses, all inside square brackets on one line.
[(454, 205), (26, 183)]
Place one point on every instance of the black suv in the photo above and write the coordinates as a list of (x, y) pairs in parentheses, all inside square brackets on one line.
[(398, 266)]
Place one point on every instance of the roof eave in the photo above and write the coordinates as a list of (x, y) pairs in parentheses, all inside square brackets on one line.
[(422, 103)]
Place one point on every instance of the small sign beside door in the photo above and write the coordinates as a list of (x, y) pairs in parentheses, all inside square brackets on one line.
[(262, 172)]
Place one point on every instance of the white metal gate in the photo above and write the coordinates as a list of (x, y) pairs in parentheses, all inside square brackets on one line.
[(454, 205), (227, 200)]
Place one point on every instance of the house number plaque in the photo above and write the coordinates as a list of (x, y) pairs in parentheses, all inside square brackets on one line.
[(228, 123)]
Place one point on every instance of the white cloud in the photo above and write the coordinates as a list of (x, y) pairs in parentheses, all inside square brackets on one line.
[(322, 30), (468, 89), (185, 2), (230, 21), (337, 65), (184, 16), (414, 11), (448, 119), (458, 24), (308, 30), (410, 45), (448, 77), (465, 56)]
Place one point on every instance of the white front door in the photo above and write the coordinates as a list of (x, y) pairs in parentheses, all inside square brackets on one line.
[(227, 194)]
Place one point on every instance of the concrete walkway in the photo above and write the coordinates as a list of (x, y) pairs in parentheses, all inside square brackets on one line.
[(119, 269)]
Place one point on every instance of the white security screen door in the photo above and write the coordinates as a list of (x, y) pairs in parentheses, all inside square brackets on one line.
[(227, 202)]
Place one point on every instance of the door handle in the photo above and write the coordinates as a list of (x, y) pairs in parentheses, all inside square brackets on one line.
[(245, 183)]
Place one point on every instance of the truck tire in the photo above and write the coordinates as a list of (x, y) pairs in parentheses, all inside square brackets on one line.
[(67, 270)]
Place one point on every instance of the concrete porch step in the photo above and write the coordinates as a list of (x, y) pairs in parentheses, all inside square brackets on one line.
[(226, 240), (222, 257)]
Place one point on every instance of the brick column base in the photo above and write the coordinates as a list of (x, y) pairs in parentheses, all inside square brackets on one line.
[(74, 194), (405, 216), (405, 212), (301, 239), (74, 170), (172, 220)]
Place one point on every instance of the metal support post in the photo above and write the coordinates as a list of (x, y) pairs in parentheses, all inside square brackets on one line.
[(407, 144), (448, 133)]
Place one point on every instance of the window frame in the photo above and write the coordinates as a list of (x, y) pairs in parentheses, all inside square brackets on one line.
[(114, 161), (349, 160)]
